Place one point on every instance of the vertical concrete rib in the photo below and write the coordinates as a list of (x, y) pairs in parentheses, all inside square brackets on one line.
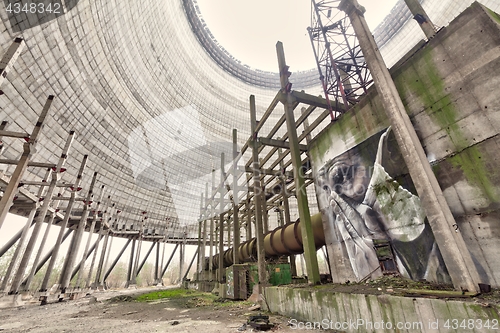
[(300, 189), (28, 148), (420, 15), (455, 253), (64, 223)]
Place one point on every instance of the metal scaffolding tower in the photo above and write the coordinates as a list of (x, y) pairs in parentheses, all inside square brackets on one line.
[(341, 64)]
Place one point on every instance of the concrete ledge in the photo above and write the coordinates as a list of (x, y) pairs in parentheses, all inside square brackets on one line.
[(379, 313)]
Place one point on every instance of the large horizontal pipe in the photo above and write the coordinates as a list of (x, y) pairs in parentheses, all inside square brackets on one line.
[(282, 241)]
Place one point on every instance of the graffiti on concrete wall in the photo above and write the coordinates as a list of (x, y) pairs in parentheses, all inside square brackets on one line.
[(367, 197)]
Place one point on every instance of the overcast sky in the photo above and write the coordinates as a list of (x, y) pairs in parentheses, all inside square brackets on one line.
[(249, 30)]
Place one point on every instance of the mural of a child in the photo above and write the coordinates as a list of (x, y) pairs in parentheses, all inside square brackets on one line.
[(364, 202)]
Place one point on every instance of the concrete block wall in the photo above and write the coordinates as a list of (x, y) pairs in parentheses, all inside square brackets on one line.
[(351, 312), (450, 89)]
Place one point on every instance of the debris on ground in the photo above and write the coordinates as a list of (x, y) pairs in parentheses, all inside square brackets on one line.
[(121, 298), (260, 322)]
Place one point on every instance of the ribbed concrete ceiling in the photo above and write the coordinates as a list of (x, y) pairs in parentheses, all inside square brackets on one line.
[(149, 105)]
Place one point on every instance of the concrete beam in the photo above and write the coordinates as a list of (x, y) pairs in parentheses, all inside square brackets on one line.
[(10, 57), (279, 143)]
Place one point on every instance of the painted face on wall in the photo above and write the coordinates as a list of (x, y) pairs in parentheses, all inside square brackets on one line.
[(348, 178)]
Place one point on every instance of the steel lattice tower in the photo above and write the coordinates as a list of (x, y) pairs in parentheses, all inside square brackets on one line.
[(341, 64)]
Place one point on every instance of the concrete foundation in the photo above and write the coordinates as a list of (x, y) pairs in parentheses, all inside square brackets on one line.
[(348, 312)]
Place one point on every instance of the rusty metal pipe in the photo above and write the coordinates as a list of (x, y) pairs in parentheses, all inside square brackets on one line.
[(282, 241)]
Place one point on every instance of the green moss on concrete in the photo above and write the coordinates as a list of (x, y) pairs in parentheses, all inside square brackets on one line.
[(470, 161), (428, 86), (494, 15)]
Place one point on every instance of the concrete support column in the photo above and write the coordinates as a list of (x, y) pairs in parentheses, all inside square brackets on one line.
[(455, 254), (259, 232), (47, 200), (100, 265), (24, 236), (135, 267), (101, 234), (249, 220), (27, 283), (106, 222), (182, 254), (236, 200), (64, 223), (131, 263), (300, 189), (101, 282), (212, 231), (87, 245), (308, 141), (265, 213), (160, 269), (228, 228), (91, 250), (199, 267), (28, 148), (420, 15), (10, 57), (3, 125), (94, 257), (65, 277), (11, 242), (221, 220), (205, 229), (169, 261), (113, 264), (19, 249), (48, 255), (190, 264), (284, 191), (157, 263), (143, 262)]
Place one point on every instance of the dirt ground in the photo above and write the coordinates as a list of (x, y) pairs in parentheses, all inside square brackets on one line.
[(117, 311)]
